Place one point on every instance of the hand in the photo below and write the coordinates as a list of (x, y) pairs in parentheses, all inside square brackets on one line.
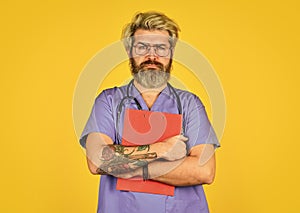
[(171, 149)]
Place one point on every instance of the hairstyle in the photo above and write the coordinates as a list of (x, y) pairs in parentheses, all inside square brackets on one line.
[(150, 21)]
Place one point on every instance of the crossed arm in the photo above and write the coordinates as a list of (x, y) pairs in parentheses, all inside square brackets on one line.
[(167, 161)]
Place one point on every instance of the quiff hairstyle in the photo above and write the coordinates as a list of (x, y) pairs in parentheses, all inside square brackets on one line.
[(150, 21)]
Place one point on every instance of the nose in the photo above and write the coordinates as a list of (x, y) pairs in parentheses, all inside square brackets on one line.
[(151, 53)]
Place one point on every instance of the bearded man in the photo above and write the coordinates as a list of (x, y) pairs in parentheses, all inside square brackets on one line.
[(150, 41)]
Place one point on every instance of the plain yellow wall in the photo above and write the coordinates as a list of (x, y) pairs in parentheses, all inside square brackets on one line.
[(253, 46)]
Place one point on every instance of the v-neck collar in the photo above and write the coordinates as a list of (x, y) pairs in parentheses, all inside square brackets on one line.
[(133, 91)]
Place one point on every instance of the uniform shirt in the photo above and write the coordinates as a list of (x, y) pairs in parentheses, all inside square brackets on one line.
[(196, 127)]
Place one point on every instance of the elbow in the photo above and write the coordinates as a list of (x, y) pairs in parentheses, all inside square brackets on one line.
[(93, 169), (209, 177), (206, 176)]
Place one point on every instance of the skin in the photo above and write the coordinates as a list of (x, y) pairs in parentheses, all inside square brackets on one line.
[(193, 168), (156, 37)]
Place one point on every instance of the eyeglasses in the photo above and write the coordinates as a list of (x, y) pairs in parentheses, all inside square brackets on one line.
[(160, 50)]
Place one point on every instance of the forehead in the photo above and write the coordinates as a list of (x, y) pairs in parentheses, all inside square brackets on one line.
[(153, 36)]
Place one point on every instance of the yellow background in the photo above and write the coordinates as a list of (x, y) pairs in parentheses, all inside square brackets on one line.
[(253, 46)]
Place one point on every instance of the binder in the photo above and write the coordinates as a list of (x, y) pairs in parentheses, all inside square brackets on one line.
[(143, 127)]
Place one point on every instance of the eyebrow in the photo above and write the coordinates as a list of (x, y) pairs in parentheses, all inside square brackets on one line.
[(145, 43)]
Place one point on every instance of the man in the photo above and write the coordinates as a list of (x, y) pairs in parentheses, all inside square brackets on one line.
[(186, 160)]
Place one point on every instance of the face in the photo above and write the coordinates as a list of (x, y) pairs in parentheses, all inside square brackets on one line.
[(151, 58)]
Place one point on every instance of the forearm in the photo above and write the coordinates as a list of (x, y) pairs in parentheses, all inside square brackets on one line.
[(105, 158), (121, 161), (197, 168), (183, 172)]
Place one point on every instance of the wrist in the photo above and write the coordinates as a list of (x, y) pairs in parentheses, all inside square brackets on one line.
[(156, 148), (145, 172)]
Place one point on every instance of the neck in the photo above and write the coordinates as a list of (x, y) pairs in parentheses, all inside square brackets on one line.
[(144, 90), (149, 95)]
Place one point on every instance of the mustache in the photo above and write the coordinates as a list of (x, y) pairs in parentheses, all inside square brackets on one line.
[(158, 64)]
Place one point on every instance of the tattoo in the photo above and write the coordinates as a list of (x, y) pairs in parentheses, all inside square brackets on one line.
[(116, 159), (152, 155), (101, 172), (143, 147)]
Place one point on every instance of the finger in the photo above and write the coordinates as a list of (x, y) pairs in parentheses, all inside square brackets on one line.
[(183, 138)]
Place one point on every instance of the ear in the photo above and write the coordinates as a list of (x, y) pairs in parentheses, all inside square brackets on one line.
[(129, 52), (172, 49)]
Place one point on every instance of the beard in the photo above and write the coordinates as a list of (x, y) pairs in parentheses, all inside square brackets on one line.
[(151, 78)]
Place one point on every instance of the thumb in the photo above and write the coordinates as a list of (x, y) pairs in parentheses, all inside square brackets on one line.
[(183, 138)]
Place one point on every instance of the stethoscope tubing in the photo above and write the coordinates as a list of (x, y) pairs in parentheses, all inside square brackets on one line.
[(129, 97)]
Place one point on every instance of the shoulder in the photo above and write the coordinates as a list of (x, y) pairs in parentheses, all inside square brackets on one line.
[(188, 98), (108, 95)]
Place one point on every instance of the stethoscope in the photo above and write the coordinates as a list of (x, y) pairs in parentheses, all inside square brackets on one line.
[(130, 98)]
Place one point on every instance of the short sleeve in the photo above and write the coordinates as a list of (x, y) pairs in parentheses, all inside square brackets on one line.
[(197, 126), (100, 120)]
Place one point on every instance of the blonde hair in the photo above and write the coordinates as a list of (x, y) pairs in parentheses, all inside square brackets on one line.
[(150, 21)]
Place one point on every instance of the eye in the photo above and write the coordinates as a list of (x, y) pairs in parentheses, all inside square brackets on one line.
[(141, 47), (161, 47)]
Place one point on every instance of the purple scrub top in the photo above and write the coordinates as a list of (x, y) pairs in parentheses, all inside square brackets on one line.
[(196, 127)]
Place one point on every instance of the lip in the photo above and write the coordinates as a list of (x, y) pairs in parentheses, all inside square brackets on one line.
[(151, 66)]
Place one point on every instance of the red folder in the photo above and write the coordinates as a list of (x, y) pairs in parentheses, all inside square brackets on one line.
[(143, 127)]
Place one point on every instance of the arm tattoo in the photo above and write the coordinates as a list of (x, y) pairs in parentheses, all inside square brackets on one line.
[(117, 159)]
